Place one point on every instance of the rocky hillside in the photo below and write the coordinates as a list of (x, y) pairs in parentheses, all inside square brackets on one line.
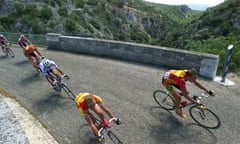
[(125, 20), (218, 21)]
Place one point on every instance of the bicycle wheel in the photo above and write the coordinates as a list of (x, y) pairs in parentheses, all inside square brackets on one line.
[(206, 118), (113, 137), (10, 52), (164, 100)]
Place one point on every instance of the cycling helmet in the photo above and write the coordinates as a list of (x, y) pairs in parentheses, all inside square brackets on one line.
[(46, 63)]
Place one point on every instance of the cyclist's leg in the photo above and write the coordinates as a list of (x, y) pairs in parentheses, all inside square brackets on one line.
[(49, 79), (55, 72), (34, 61), (62, 73), (92, 125), (176, 96)]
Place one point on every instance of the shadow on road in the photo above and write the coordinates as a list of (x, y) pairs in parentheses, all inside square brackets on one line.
[(171, 129), (29, 79), (52, 100), (85, 134), (22, 63), (3, 57)]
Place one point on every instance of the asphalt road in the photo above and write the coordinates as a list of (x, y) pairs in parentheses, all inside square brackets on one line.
[(127, 89)]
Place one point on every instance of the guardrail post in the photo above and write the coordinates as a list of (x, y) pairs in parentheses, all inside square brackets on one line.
[(227, 62)]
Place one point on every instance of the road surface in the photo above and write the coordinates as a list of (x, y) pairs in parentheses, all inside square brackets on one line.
[(127, 89)]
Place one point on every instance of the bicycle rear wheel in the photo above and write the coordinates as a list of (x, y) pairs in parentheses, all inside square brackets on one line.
[(205, 118), (163, 99), (113, 137)]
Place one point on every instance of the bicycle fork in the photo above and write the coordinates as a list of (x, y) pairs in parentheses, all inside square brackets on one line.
[(201, 113)]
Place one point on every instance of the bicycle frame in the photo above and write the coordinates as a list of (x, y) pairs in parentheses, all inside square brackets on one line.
[(113, 137)]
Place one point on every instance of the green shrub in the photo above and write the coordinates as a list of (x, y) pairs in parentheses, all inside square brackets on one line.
[(19, 8), (62, 11), (218, 46), (46, 13), (70, 25)]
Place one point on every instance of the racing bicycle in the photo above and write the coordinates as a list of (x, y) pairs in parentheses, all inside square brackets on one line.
[(202, 115), (103, 130), (8, 51)]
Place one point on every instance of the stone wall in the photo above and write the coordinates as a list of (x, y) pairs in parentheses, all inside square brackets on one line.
[(206, 64)]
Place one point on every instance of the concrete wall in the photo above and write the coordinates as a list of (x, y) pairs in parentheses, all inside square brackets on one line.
[(206, 64)]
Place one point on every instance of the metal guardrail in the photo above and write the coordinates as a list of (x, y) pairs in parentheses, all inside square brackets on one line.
[(38, 40)]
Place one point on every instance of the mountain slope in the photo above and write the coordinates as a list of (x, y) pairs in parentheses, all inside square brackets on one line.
[(219, 21), (125, 20), (212, 32)]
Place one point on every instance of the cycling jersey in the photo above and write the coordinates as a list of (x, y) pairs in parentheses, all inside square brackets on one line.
[(23, 42), (82, 107), (46, 70), (174, 78), (3, 40)]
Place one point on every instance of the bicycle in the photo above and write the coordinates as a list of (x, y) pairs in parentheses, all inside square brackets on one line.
[(8, 51), (103, 130), (202, 115)]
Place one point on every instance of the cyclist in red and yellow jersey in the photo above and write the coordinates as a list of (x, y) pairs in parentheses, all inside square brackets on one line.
[(86, 102), (177, 79)]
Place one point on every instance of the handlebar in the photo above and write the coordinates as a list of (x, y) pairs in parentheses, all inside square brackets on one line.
[(105, 127)]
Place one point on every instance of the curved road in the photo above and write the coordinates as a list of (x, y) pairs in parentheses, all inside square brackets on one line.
[(127, 89)]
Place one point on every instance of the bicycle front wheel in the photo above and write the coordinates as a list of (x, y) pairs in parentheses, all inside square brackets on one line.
[(163, 99), (114, 138), (205, 118)]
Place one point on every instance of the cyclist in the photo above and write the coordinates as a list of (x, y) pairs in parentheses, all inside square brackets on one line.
[(85, 102), (46, 67), (177, 79), (23, 41), (3, 41), (29, 50)]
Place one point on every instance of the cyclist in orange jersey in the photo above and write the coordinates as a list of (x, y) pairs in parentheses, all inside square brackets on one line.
[(29, 50), (177, 79), (85, 102)]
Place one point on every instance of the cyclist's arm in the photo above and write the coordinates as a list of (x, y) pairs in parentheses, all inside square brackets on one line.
[(106, 109), (186, 95), (37, 51), (199, 85)]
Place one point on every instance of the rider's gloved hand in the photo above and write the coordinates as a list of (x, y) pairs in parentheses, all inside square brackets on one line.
[(211, 92), (118, 121)]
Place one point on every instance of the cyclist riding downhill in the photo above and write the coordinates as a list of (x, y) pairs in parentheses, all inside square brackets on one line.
[(50, 70), (30, 51), (174, 80)]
